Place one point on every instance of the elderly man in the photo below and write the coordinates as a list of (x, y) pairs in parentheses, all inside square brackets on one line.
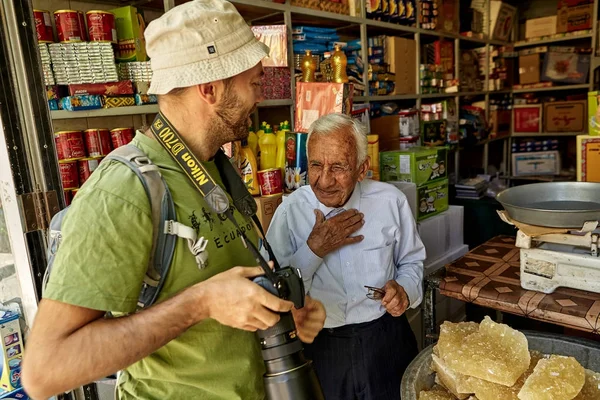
[(197, 341), (346, 232)]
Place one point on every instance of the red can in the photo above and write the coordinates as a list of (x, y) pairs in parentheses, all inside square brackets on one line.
[(81, 17), (68, 26), (101, 26), (43, 26), (74, 191), (68, 196), (270, 181), (97, 142), (86, 167), (69, 145), (121, 136), (69, 174)]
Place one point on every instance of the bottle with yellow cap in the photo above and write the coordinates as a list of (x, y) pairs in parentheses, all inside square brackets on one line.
[(280, 160), (253, 141), (249, 169), (268, 149)]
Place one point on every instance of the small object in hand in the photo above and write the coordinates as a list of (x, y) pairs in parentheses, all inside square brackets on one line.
[(375, 293)]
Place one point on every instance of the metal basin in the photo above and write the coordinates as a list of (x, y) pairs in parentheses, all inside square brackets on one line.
[(553, 204), (418, 375)]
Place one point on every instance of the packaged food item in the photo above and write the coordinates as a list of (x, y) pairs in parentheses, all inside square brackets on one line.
[(81, 102), (69, 145), (274, 36), (11, 355), (270, 182), (130, 27), (102, 89), (121, 136), (97, 142), (43, 26), (101, 26), (68, 26), (118, 101)]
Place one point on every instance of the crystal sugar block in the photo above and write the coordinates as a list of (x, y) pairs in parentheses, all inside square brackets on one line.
[(452, 335), (435, 395), (451, 380), (554, 378), (496, 353), (591, 387)]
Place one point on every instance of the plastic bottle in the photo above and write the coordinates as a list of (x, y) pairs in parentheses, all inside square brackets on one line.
[(261, 131), (280, 159), (248, 169), (253, 141), (268, 149)]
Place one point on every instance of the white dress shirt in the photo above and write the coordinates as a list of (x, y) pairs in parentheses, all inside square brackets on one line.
[(391, 249)]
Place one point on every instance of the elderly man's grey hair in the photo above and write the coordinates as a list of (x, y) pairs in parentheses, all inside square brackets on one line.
[(331, 123)]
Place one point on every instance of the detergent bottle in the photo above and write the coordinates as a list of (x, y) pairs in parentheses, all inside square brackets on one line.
[(268, 149), (249, 168), (253, 141), (280, 160), (261, 131)]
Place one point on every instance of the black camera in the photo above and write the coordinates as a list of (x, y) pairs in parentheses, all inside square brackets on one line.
[(289, 375)]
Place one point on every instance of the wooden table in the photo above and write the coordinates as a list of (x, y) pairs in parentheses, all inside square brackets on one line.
[(489, 276)]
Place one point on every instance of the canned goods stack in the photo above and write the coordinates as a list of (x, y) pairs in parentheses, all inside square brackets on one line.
[(431, 78), (46, 65), (139, 71), (86, 62), (79, 154)]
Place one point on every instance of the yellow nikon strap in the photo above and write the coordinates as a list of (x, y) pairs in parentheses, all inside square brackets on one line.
[(168, 137), (215, 196)]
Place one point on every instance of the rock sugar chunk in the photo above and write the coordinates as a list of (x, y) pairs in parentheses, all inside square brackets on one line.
[(554, 378), (485, 390), (591, 387), (496, 353), (435, 395), (452, 335), (450, 379)]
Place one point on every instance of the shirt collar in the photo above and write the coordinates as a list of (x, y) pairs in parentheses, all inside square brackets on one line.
[(353, 202)]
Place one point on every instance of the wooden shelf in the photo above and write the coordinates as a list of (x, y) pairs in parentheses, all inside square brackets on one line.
[(105, 112), (553, 88), (552, 39), (545, 134), (542, 178)]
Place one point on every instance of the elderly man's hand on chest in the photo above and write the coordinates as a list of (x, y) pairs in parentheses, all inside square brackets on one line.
[(395, 300), (329, 235)]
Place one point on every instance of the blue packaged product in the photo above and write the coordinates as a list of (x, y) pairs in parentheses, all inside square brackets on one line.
[(18, 394), (143, 99), (301, 47), (81, 102), (53, 105), (312, 29)]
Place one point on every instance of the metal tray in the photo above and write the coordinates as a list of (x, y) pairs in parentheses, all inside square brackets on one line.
[(553, 204), (418, 375)]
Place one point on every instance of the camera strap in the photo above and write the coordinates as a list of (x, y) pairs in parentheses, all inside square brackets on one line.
[(213, 194)]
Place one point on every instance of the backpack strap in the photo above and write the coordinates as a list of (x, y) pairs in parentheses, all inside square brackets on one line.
[(163, 213)]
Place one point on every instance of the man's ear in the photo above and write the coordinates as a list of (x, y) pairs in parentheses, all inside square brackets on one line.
[(364, 168), (207, 92)]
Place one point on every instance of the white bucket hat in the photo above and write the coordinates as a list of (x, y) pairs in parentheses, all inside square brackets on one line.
[(198, 42)]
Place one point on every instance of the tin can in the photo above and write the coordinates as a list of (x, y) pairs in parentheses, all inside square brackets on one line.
[(97, 142), (81, 17), (270, 181), (68, 194), (101, 26), (69, 145), (74, 191), (86, 167), (68, 26), (296, 163), (43, 26), (69, 174), (121, 136)]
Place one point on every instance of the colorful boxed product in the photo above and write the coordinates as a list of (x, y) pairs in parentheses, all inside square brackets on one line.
[(130, 26), (53, 105), (121, 101), (143, 99), (274, 36), (18, 394), (12, 351), (315, 99), (432, 199), (419, 165), (593, 113), (103, 89), (52, 92), (588, 158), (565, 65), (296, 163), (79, 103), (536, 163)]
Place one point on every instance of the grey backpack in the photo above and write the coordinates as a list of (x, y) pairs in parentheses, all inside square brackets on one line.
[(163, 218)]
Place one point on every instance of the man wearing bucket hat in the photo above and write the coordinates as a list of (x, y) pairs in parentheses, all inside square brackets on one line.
[(197, 341)]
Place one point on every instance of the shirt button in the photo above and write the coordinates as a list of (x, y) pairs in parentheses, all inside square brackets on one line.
[(348, 264)]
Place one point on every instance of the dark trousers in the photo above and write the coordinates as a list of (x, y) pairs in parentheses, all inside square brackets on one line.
[(363, 361)]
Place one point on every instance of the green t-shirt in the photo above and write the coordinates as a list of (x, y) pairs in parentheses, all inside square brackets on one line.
[(101, 262)]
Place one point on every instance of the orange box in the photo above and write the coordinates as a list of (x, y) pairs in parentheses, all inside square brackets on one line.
[(588, 158), (315, 99)]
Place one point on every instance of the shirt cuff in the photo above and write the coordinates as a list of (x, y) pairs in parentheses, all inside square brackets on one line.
[(414, 292), (307, 261)]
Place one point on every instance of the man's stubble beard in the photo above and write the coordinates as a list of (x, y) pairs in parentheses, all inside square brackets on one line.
[(226, 126)]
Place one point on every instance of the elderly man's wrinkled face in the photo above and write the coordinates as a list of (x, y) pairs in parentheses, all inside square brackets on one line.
[(332, 167)]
